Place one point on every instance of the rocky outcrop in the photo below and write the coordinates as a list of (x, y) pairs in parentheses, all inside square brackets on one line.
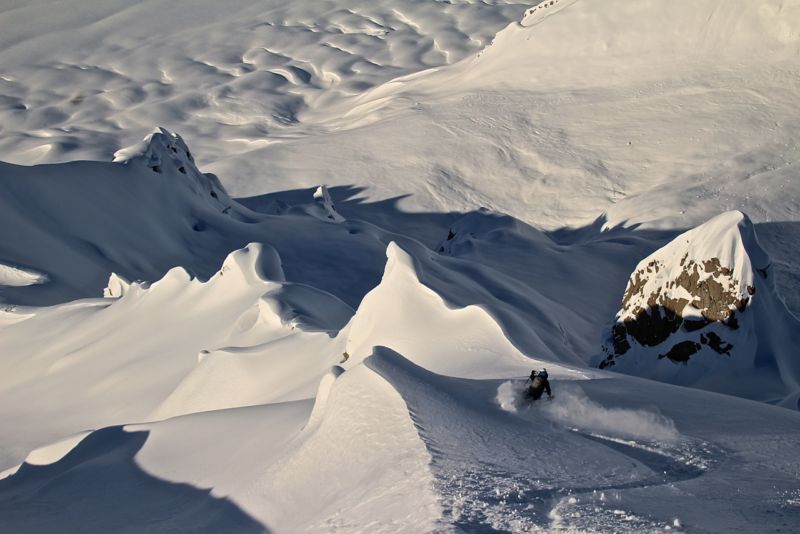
[(688, 298), (704, 311), (703, 293)]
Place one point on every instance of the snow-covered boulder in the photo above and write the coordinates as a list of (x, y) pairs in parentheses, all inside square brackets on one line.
[(703, 310)]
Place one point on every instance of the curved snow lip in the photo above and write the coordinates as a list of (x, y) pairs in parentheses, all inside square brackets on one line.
[(360, 439), (307, 308), (321, 399), (254, 265), (49, 454)]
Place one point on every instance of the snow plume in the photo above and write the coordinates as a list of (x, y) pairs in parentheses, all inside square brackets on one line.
[(573, 408), (510, 395)]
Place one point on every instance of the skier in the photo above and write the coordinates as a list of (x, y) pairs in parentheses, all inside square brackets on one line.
[(539, 384)]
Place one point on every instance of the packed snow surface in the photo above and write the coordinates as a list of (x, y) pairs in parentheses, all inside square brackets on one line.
[(315, 308)]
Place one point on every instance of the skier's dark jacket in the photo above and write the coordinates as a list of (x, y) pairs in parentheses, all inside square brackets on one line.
[(539, 384)]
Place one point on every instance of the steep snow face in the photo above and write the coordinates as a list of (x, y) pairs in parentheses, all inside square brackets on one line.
[(358, 461), (402, 314), (704, 310)]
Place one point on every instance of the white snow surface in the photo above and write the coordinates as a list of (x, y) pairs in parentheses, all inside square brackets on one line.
[(315, 308)]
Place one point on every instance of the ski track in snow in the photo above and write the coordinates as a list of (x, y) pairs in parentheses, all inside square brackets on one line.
[(490, 499)]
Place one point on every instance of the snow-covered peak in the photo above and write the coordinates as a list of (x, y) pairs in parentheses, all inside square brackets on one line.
[(704, 305), (323, 207), (158, 148), (706, 273), (165, 153)]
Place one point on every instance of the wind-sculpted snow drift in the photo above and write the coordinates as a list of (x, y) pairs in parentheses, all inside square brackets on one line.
[(346, 351), (244, 352)]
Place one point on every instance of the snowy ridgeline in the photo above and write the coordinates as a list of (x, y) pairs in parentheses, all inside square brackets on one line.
[(337, 358), (275, 351)]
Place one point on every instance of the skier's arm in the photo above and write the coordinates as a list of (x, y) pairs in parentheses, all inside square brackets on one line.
[(547, 388)]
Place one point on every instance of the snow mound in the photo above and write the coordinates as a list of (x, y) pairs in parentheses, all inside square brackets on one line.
[(19, 277), (253, 264), (404, 315), (704, 310), (486, 225)]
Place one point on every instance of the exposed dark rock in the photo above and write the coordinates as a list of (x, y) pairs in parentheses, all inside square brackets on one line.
[(714, 267), (694, 324), (635, 287), (620, 339), (714, 300), (650, 319), (681, 352), (716, 343), (732, 322), (653, 326)]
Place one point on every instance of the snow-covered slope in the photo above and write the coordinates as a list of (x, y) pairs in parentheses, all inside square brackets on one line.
[(417, 203), (81, 80), (77, 222), (590, 109), (704, 311)]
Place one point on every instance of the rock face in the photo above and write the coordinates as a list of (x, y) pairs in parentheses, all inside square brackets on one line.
[(705, 304), (703, 293)]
